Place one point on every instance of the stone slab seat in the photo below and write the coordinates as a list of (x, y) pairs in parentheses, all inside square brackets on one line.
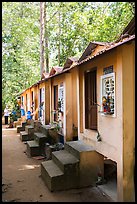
[(24, 136), (52, 175), (68, 163), (23, 123), (91, 162), (40, 138), (30, 130), (29, 127), (20, 128), (80, 164), (33, 148), (77, 147), (45, 129)]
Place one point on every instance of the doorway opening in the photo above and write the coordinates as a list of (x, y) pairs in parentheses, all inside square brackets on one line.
[(40, 101), (109, 186), (110, 170), (56, 103), (32, 103)]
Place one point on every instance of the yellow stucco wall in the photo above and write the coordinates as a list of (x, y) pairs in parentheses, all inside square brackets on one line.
[(26, 103), (63, 78), (128, 59), (117, 132), (105, 123), (74, 74), (69, 109), (55, 81), (70, 100)]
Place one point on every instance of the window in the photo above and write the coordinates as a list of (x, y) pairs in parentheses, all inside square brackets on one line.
[(108, 94), (61, 97)]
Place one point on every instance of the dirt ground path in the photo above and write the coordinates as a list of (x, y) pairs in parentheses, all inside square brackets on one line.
[(22, 182)]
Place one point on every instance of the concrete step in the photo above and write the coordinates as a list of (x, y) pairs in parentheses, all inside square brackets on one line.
[(80, 164), (20, 128), (29, 129), (52, 175), (56, 179), (24, 136), (77, 147), (91, 162), (45, 129), (33, 148), (40, 138), (68, 163), (51, 133), (36, 124), (23, 124)]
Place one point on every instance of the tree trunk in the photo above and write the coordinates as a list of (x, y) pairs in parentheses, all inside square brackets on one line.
[(59, 39), (21, 10), (42, 42), (46, 41)]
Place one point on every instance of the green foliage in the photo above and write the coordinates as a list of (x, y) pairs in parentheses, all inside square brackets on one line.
[(20, 50), (80, 23)]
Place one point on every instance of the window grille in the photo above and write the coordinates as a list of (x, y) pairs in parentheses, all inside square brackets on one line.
[(108, 94), (61, 96)]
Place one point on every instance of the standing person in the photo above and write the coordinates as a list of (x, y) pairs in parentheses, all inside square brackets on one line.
[(6, 115)]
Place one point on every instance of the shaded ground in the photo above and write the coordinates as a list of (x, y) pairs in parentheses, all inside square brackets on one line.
[(21, 180)]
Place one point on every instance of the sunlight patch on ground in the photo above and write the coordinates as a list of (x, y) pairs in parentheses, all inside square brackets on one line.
[(25, 167)]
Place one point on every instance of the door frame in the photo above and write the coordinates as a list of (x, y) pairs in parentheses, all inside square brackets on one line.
[(94, 69)]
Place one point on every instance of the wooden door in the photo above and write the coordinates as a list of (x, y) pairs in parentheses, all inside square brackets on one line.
[(26, 102), (40, 101), (90, 101), (32, 108), (56, 102)]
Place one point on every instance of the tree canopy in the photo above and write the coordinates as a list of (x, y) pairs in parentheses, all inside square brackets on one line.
[(70, 27)]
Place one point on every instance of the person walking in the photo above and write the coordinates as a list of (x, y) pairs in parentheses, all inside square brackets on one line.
[(6, 115)]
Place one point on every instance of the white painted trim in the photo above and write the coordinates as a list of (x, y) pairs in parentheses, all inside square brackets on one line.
[(42, 119), (28, 104), (60, 90)]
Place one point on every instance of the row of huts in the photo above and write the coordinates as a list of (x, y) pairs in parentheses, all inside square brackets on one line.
[(93, 98)]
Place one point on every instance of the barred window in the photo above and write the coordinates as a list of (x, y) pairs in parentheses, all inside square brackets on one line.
[(108, 94)]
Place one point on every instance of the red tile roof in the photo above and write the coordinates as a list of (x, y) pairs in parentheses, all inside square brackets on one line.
[(69, 62), (107, 47), (90, 48), (45, 75), (55, 70)]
